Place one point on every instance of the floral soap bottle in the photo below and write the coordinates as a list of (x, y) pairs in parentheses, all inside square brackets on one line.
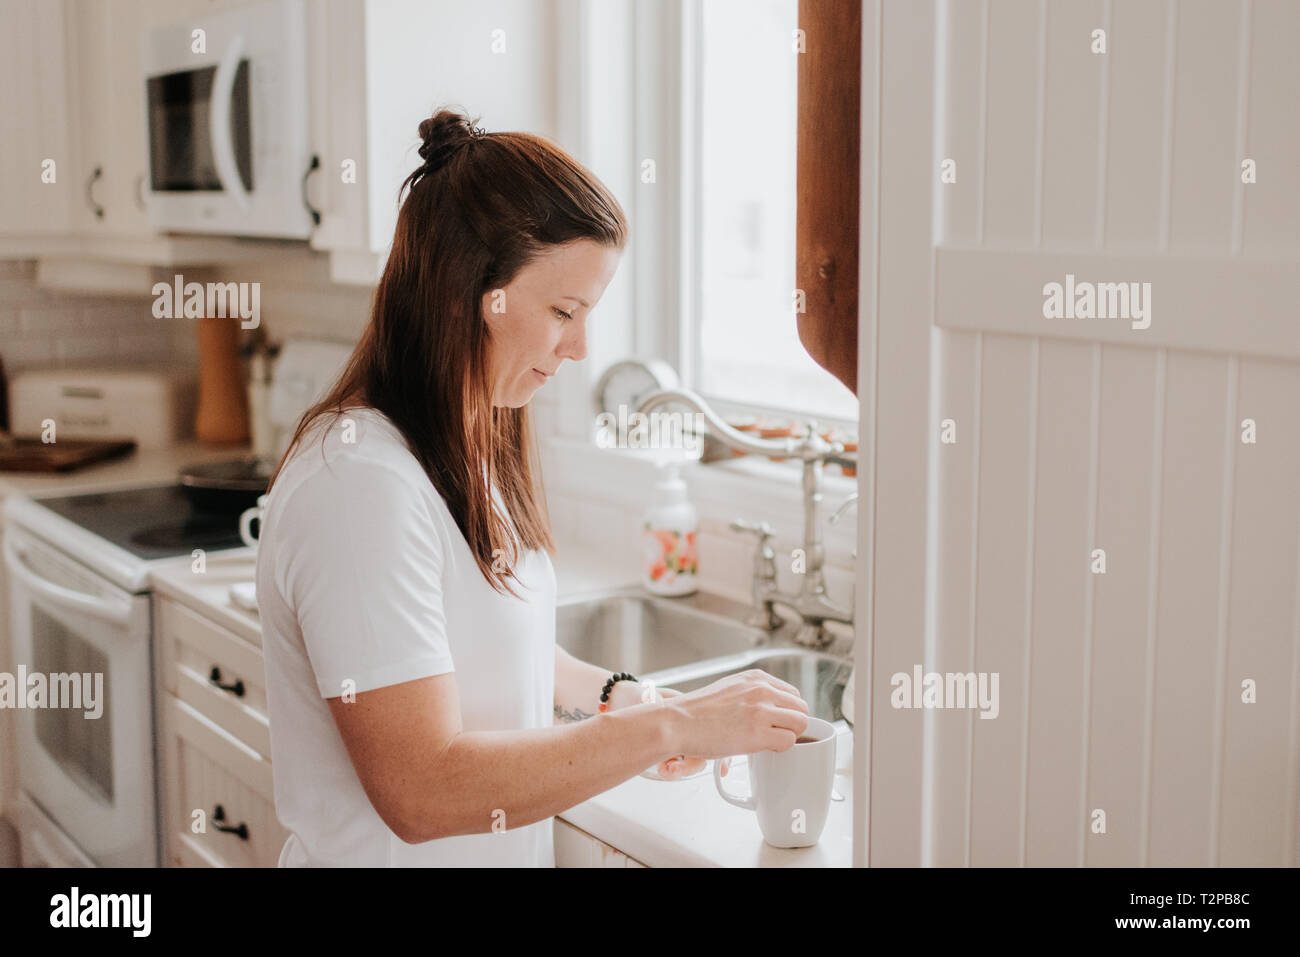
[(670, 565)]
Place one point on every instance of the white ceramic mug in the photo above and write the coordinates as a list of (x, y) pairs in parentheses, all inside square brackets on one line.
[(790, 790), (246, 521)]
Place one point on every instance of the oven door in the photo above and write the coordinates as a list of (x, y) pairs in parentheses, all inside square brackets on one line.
[(93, 776)]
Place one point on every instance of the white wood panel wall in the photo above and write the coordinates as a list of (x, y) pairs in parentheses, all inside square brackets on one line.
[(1119, 691)]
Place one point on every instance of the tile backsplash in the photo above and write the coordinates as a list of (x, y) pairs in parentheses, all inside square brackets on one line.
[(51, 328)]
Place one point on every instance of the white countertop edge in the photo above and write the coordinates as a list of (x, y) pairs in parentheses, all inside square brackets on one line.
[(646, 845), (208, 594)]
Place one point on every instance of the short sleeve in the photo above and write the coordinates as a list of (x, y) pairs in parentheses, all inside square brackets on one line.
[(362, 561)]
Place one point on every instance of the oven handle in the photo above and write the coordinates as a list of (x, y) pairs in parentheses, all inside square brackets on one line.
[(223, 150), (117, 611)]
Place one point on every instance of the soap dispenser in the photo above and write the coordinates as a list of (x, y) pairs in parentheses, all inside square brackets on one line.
[(670, 565)]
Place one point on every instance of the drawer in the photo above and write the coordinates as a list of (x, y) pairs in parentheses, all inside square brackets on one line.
[(191, 647), (205, 768)]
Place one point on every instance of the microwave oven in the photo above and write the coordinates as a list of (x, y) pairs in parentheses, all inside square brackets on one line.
[(226, 113)]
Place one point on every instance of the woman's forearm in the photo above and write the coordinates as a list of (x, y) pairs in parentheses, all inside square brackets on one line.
[(578, 685), (495, 780)]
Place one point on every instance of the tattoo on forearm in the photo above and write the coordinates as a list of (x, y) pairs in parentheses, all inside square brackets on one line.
[(577, 714)]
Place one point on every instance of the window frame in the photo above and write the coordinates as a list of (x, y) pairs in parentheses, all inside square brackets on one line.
[(613, 123), (689, 225)]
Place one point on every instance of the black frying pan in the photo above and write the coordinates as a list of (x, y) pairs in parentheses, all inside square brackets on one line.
[(228, 487)]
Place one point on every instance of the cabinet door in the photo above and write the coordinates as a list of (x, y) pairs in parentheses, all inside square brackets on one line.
[(336, 64), (206, 768), (574, 847), (36, 123), (110, 89)]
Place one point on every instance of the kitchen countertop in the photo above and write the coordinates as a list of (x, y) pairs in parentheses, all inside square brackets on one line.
[(141, 467), (659, 823)]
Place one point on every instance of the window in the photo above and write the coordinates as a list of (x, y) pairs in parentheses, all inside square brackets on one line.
[(745, 340)]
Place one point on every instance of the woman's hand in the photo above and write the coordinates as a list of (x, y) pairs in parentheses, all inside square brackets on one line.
[(677, 767)]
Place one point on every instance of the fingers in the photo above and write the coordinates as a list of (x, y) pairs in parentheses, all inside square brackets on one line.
[(790, 702), (789, 722), (774, 681)]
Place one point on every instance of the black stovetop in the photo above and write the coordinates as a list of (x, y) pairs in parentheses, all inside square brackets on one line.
[(158, 521)]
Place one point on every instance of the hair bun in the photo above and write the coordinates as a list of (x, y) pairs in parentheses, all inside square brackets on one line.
[(443, 134)]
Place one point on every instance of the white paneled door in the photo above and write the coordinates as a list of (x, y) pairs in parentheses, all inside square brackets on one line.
[(1099, 504)]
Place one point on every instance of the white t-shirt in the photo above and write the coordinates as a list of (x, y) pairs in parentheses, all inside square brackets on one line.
[(364, 576)]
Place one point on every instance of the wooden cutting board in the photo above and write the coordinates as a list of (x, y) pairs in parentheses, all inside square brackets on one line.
[(33, 455)]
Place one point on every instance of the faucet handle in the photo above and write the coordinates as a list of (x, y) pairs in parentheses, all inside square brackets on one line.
[(761, 530), (852, 500)]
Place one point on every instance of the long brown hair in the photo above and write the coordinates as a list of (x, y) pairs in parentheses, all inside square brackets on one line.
[(480, 209)]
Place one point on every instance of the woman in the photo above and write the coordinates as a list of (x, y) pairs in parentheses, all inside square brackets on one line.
[(421, 713)]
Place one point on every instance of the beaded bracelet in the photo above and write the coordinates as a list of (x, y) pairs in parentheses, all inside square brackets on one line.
[(609, 686)]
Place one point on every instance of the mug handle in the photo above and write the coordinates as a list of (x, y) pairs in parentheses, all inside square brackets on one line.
[(246, 521), (746, 802)]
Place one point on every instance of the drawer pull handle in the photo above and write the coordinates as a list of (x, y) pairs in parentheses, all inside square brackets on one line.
[(219, 814), (237, 687)]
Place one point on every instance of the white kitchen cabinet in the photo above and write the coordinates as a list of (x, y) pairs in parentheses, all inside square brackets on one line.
[(77, 101), (574, 847), (111, 160), (36, 52), (376, 69), (111, 222), (215, 745), (379, 67), (220, 803)]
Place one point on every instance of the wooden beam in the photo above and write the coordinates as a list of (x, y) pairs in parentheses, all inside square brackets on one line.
[(826, 226)]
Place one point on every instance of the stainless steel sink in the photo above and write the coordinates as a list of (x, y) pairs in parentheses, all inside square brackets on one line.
[(690, 642)]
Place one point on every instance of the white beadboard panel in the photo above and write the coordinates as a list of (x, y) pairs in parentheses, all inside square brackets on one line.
[(1272, 203), (1180, 811), (961, 132), (1261, 643), (1012, 161), (1205, 169), (903, 174), (1134, 144), (1120, 691), (1073, 111), (1062, 634), (949, 770), (996, 784), (1197, 301), (1117, 709)]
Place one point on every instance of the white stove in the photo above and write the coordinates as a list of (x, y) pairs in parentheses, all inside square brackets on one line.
[(80, 610)]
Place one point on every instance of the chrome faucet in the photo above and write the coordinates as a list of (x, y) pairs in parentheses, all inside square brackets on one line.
[(810, 603), (852, 500)]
